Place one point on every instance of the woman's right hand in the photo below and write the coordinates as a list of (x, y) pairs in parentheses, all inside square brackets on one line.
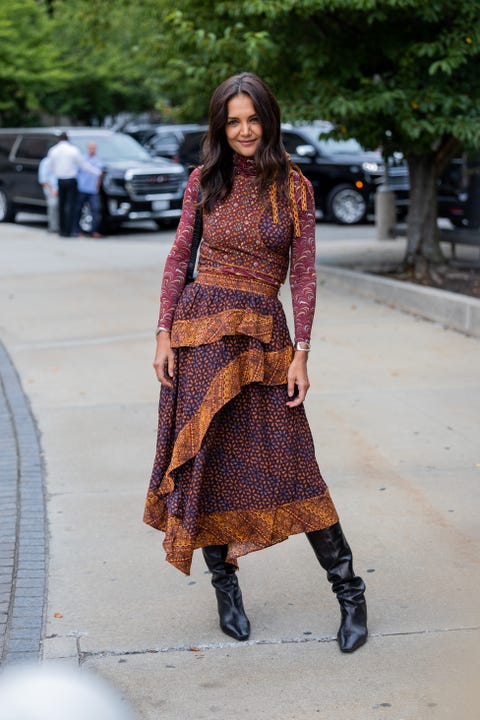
[(164, 359)]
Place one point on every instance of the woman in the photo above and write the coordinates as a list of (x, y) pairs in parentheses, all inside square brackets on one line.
[(235, 469)]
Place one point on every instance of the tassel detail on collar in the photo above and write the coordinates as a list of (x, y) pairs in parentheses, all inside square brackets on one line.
[(291, 195)]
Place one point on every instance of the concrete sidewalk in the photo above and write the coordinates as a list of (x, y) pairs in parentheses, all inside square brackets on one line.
[(394, 411)]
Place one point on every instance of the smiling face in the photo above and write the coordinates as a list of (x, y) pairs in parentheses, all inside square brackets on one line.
[(243, 129)]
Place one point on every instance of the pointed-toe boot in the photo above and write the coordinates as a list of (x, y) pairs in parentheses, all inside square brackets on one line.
[(335, 556), (233, 620)]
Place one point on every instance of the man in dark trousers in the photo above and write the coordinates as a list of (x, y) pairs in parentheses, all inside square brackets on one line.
[(65, 161)]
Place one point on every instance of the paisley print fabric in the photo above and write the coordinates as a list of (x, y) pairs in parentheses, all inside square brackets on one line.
[(234, 465)]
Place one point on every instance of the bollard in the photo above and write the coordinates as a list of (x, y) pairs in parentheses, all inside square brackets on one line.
[(385, 213)]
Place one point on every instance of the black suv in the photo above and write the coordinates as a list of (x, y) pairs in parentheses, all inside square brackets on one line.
[(344, 176), (134, 186)]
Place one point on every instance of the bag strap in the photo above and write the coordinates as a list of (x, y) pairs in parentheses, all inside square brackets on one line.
[(196, 238)]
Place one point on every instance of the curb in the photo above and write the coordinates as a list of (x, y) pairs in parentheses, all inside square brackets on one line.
[(22, 523), (452, 310)]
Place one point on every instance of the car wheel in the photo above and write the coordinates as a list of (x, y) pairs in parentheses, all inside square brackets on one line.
[(7, 209), (346, 205), (85, 221)]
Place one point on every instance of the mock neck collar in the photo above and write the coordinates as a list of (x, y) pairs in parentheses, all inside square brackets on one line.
[(244, 166)]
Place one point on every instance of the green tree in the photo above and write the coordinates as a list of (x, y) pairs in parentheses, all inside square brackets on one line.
[(100, 47), (409, 67), (29, 67)]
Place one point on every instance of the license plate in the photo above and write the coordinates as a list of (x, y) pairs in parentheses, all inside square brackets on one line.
[(158, 205)]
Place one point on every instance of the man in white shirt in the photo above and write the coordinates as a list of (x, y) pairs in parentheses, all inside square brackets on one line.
[(65, 161)]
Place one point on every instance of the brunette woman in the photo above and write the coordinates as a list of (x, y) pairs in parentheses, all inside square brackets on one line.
[(235, 467)]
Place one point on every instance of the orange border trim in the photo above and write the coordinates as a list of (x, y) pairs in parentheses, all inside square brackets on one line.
[(205, 330), (252, 529)]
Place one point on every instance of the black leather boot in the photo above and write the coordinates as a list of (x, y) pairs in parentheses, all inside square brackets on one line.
[(334, 555), (233, 620)]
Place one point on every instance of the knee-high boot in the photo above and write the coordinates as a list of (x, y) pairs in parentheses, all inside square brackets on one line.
[(233, 620), (335, 556)]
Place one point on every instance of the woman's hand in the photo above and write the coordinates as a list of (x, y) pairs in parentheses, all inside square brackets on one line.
[(164, 359), (297, 377)]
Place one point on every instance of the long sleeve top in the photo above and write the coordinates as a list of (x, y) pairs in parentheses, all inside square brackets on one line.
[(86, 180), (66, 160), (251, 236)]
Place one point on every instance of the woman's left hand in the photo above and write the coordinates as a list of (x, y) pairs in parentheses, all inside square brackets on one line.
[(297, 378)]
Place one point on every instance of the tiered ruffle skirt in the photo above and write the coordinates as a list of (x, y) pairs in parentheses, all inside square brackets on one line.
[(234, 465)]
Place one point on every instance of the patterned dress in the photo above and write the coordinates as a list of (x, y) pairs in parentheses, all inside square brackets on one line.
[(234, 465)]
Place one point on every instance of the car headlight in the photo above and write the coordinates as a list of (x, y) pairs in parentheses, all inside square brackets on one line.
[(372, 167)]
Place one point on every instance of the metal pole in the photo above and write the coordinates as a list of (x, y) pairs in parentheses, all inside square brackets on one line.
[(385, 211)]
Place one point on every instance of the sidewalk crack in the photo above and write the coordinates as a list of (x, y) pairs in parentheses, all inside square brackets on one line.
[(86, 655)]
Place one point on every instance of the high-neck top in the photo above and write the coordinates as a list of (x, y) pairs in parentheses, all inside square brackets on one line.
[(247, 235), (244, 166)]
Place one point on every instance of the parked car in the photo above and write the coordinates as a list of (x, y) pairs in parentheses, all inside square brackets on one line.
[(459, 192), (139, 131), (345, 177), (161, 140), (190, 148), (134, 185)]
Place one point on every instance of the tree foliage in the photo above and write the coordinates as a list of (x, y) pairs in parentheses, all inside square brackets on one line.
[(100, 51), (29, 61), (408, 66), (398, 73), (402, 74)]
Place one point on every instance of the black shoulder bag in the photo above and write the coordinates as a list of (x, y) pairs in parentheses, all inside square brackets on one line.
[(196, 238)]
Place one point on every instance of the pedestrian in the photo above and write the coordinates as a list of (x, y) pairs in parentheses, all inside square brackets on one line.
[(65, 161), (235, 469), (49, 183), (89, 190)]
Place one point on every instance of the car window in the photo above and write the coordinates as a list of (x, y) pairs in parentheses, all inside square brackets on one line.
[(33, 148), (6, 142), (165, 141), (111, 147), (348, 147), (292, 141), (168, 137)]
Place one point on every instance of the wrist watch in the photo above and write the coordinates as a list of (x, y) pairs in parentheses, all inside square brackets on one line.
[(161, 329), (302, 345)]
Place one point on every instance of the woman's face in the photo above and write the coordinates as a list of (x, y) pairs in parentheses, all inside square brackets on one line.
[(243, 129)]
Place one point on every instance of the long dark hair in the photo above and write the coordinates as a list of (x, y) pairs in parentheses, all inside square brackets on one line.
[(217, 155)]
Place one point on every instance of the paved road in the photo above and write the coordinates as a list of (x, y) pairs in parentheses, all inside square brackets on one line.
[(394, 410)]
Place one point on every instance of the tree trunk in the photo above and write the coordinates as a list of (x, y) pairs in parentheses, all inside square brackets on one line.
[(423, 246), (423, 238)]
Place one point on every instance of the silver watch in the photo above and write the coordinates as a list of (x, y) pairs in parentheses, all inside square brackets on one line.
[(302, 345)]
